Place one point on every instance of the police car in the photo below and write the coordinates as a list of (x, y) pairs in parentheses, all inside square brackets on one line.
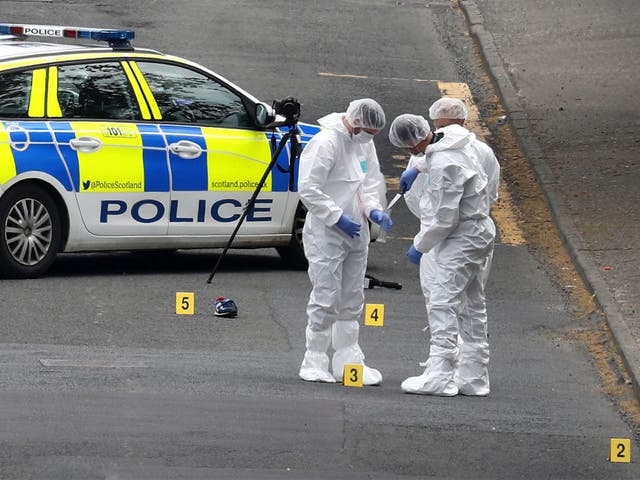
[(109, 147)]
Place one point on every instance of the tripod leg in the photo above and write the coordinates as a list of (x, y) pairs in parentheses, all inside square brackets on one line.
[(251, 202)]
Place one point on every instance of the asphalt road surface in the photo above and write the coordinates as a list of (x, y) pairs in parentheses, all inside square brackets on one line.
[(101, 379)]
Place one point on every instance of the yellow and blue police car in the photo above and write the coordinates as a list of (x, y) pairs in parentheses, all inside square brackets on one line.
[(108, 147)]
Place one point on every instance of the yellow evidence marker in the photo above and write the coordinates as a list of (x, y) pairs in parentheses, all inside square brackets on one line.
[(352, 375), (620, 450), (374, 314), (185, 303)]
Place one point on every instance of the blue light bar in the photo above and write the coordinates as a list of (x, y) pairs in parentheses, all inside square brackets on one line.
[(114, 37)]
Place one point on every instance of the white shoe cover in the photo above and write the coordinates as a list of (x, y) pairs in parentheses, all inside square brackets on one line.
[(347, 350), (473, 391), (370, 376), (472, 371), (316, 375), (353, 355), (315, 368), (478, 386), (437, 379)]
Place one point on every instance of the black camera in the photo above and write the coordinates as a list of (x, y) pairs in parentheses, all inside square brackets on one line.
[(289, 108)]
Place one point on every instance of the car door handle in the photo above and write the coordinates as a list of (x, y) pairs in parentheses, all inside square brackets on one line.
[(85, 144), (186, 149)]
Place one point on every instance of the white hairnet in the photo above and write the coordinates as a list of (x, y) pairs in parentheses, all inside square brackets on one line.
[(452, 108), (408, 130), (366, 113)]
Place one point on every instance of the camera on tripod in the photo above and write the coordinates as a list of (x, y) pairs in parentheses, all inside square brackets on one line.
[(289, 108)]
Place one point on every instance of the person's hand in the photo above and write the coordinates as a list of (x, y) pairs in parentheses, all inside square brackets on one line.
[(348, 226), (407, 178), (381, 218), (414, 255)]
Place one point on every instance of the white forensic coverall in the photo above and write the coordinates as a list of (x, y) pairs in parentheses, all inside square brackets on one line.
[(489, 163), (337, 176), (456, 238), (412, 198)]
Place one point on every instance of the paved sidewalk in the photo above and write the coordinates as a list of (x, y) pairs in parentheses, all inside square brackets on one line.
[(568, 73)]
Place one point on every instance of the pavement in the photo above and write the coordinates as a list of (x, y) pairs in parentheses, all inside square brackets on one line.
[(567, 74)]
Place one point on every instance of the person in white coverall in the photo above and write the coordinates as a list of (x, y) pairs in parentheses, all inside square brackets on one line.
[(452, 113), (341, 185), (457, 234)]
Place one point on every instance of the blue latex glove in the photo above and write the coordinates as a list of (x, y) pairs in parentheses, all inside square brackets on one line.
[(414, 255), (380, 217), (348, 226), (407, 178)]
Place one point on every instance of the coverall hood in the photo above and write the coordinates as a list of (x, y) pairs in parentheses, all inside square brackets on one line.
[(334, 121), (456, 137)]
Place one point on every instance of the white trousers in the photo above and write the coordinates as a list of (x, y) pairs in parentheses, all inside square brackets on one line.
[(453, 278), (337, 266)]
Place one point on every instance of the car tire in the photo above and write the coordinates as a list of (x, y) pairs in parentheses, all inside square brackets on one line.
[(30, 232), (293, 254)]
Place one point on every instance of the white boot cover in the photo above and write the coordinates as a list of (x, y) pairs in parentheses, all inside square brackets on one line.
[(437, 379), (472, 373), (315, 364), (345, 342)]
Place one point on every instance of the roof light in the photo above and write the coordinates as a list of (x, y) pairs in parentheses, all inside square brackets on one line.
[(116, 38)]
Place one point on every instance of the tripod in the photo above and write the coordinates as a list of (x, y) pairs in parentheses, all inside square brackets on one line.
[(290, 136)]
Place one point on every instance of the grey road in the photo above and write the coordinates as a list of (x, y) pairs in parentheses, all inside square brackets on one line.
[(100, 379)]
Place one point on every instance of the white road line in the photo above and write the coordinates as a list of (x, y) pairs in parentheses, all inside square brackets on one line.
[(91, 363), (364, 77)]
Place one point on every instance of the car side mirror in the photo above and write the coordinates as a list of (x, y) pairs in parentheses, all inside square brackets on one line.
[(263, 115)]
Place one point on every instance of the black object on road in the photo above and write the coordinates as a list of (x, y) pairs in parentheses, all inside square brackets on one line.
[(370, 282)]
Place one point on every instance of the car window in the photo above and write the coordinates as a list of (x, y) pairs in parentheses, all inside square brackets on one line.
[(15, 89), (184, 95), (96, 90)]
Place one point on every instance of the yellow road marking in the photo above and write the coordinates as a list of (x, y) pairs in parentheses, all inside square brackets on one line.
[(503, 211)]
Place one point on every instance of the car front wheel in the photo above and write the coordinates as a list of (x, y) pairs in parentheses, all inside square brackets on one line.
[(30, 232), (293, 254)]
